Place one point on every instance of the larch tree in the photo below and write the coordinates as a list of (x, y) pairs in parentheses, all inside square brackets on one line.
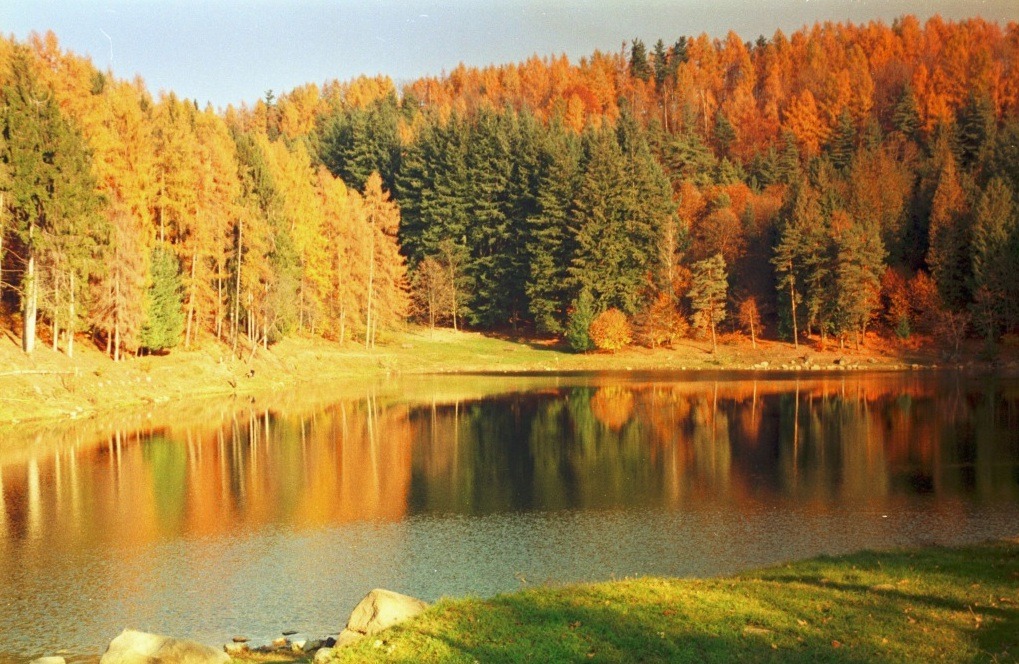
[(386, 297), (125, 164)]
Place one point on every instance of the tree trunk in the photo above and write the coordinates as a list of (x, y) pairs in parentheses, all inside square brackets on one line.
[(191, 303), (2, 231), (792, 302), (237, 287), (55, 323), (116, 319), (70, 318), (29, 299), (371, 286), (753, 335), (714, 341)]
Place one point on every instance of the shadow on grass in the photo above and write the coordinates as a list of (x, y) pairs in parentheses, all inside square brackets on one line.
[(960, 604)]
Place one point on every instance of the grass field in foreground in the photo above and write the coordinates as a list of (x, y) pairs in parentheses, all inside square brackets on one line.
[(922, 605)]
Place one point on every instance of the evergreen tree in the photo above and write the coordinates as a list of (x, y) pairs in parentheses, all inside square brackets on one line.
[(358, 141), (549, 245), (639, 66), (164, 321), (52, 192), (947, 253), (995, 263), (843, 142), (708, 291), (581, 315), (858, 268), (906, 116), (975, 129)]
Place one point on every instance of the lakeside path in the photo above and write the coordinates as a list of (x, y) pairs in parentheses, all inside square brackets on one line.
[(48, 387)]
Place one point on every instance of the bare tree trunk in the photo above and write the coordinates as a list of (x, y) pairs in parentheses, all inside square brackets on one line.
[(191, 303), (70, 317), (237, 287), (55, 323), (792, 301), (219, 299), (371, 285), (2, 231), (29, 298), (116, 319)]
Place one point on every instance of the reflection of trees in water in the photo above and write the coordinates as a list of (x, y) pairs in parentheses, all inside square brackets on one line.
[(602, 446)]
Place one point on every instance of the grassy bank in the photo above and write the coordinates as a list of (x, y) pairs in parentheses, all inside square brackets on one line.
[(930, 604), (49, 385)]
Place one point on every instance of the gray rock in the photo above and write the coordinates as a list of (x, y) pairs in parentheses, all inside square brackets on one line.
[(323, 655), (134, 647), (381, 609)]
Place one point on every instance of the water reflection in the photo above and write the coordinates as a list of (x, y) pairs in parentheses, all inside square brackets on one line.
[(394, 483)]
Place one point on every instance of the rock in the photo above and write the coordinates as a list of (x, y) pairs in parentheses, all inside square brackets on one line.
[(281, 642), (381, 609), (347, 637), (49, 660), (235, 649), (134, 647), (323, 655), (240, 639)]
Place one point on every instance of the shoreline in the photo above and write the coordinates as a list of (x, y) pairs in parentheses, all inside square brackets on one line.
[(48, 387), (902, 604)]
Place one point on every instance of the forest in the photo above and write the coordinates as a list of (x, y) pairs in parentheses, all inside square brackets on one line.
[(838, 181)]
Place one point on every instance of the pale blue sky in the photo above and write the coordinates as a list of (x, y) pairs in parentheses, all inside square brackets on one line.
[(228, 51)]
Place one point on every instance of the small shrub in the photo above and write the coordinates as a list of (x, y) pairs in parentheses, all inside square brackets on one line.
[(611, 330)]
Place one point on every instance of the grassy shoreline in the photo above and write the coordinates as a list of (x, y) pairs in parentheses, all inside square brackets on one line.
[(48, 386), (911, 605)]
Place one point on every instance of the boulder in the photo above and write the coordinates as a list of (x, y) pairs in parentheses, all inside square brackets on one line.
[(134, 647), (323, 655), (378, 610)]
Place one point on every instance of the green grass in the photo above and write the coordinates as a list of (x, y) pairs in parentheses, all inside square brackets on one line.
[(931, 604)]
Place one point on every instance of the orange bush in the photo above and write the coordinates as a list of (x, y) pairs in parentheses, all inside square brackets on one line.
[(610, 330)]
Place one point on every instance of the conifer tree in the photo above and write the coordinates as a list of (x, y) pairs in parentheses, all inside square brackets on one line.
[(949, 242), (709, 289), (164, 321), (995, 263), (52, 193)]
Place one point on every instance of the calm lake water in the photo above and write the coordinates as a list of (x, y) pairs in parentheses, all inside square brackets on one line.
[(254, 517)]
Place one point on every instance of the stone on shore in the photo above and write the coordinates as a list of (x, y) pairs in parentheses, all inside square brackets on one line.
[(134, 647), (323, 655), (379, 610)]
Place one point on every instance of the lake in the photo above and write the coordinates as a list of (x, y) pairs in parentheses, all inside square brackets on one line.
[(251, 516)]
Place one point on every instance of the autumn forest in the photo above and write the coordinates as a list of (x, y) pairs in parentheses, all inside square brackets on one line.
[(838, 181)]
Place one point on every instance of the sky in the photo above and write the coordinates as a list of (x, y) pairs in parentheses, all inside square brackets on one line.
[(231, 51)]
